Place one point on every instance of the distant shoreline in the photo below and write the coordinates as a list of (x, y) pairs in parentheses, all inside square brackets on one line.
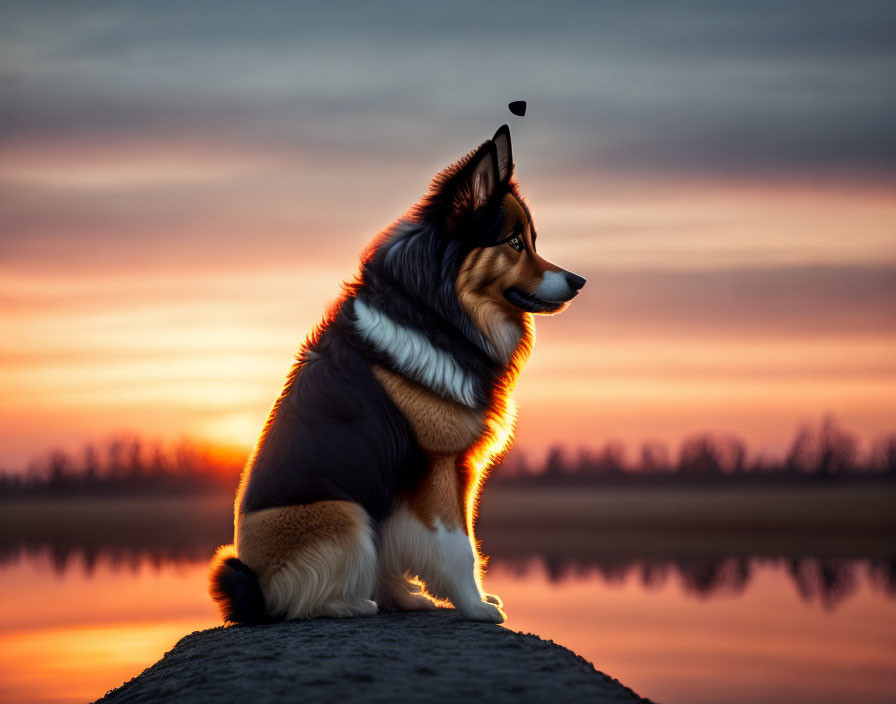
[(825, 521), (862, 505), (866, 502)]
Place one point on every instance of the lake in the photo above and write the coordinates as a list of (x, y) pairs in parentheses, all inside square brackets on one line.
[(679, 619)]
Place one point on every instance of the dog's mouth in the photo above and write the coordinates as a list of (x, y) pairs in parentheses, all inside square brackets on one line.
[(533, 304)]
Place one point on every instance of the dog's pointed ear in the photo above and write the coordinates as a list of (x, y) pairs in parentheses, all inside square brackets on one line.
[(469, 184), (484, 175), (504, 152)]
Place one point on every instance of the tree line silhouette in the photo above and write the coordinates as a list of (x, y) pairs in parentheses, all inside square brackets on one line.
[(824, 453), (128, 465)]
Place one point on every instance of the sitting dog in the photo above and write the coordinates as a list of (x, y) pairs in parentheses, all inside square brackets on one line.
[(361, 491)]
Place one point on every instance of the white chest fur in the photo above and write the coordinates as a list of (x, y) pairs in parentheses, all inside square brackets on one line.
[(413, 355)]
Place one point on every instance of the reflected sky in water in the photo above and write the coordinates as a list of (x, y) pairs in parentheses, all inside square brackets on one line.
[(729, 630), (824, 581)]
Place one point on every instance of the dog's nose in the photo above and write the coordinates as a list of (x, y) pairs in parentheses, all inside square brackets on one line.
[(574, 281)]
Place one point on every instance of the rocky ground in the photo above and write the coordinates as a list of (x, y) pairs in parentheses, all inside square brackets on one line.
[(403, 657)]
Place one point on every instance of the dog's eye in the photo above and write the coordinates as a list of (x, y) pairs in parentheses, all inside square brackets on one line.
[(516, 243)]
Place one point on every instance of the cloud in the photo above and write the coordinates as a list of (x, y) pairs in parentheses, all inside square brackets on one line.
[(701, 87), (838, 302)]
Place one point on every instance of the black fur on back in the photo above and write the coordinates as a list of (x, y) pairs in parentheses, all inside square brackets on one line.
[(334, 433)]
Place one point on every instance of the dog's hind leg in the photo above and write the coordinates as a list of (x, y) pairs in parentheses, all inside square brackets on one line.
[(312, 560)]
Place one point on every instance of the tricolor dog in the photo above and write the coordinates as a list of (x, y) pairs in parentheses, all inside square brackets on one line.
[(361, 492)]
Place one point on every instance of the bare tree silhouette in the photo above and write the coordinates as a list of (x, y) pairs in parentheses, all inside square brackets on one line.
[(825, 452), (884, 455), (655, 457), (707, 455), (129, 468), (128, 463)]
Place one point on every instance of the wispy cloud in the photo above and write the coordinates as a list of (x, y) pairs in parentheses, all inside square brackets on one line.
[(705, 87)]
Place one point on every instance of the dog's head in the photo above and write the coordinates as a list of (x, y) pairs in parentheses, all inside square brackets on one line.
[(482, 209)]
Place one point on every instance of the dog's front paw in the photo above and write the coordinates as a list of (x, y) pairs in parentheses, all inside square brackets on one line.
[(494, 599), (483, 611)]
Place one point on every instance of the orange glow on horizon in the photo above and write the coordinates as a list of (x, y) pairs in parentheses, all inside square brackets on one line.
[(181, 346), (60, 664)]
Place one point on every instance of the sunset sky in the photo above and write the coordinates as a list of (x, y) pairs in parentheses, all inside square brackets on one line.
[(184, 186)]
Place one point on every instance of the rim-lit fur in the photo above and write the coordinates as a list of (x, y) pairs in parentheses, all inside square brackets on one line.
[(395, 408)]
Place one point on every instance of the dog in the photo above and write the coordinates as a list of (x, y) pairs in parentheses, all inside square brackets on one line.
[(361, 491)]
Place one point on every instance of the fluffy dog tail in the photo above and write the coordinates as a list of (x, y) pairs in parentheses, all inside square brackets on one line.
[(234, 588)]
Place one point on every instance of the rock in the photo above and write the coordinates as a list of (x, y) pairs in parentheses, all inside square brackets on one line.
[(395, 657)]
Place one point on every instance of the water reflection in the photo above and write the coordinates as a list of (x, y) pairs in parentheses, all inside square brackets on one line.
[(95, 591), (824, 567), (827, 582), (104, 617), (85, 560)]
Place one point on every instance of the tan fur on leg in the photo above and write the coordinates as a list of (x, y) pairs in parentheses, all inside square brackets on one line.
[(313, 560)]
